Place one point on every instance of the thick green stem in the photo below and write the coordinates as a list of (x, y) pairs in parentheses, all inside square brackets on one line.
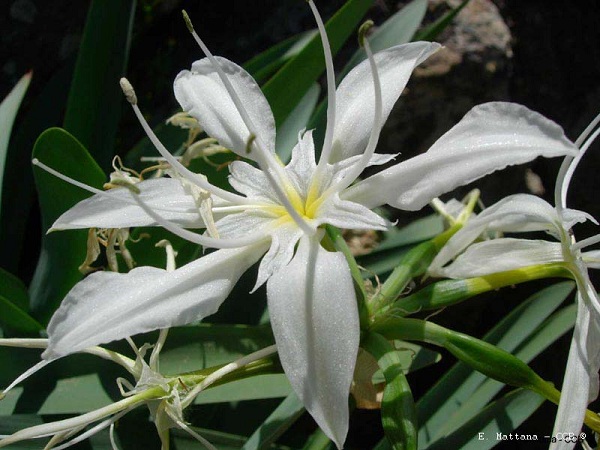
[(339, 244), (398, 412), (260, 367), (450, 292), (479, 355), (413, 264)]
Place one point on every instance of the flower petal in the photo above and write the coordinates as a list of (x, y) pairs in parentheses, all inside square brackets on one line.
[(107, 306), (520, 212), (499, 255), (490, 137), (355, 97), (313, 311), (252, 182), (302, 166), (345, 214), (283, 242), (580, 385), (116, 208), (202, 94)]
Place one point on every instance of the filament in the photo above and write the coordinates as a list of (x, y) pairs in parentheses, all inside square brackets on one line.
[(266, 160), (331, 102), (362, 163), (196, 238)]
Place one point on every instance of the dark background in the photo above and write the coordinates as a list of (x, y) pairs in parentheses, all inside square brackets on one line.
[(555, 69)]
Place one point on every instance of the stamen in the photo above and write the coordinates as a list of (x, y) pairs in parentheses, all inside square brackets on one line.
[(40, 365), (228, 368), (567, 169), (93, 190), (363, 162), (196, 238), (171, 254), (331, 99), (266, 161), (92, 431), (269, 159), (160, 343), (192, 433), (184, 171), (586, 242), (79, 184)]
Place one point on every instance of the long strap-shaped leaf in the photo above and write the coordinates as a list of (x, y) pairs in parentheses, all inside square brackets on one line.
[(94, 104), (398, 414), (62, 253), (303, 70)]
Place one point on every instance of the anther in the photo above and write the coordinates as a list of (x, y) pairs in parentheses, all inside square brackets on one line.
[(363, 30), (249, 143), (128, 91), (126, 184), (188, 21)]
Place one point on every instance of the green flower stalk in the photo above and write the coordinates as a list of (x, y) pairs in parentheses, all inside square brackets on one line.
[(166, 396), (480, 355)]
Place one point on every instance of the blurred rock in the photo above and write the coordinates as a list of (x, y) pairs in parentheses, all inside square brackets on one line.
[(23, 10)]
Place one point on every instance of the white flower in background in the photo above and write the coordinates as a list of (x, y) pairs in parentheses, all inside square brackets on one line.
[(522, 213), (279, 211)]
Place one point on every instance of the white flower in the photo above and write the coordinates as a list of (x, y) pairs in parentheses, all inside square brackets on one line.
[(165, 397), (522, 213), (279, 212)]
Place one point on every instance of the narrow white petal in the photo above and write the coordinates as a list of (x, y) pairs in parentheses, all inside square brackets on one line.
[(313, 311), (580, 384), (520, 212), (303, 165), (592, 259), (345, 214), (107, 306), (283, 242), (499, 255), (116, 209), (251, 182), (201, 93), (356, 96), (490, 137)]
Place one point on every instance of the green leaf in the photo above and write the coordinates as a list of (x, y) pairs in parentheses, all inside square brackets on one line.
[(430, 33), (14, 306), (398, 29), (8, 111), (254, 388), (413, 357), (305, 68), (554, 327), (397, 242), (206, 345), (95, 98), (437, 410), (62, 252), (319, 441), (45, 111), (502, 416), (276, 424), (16, 320), (287, 134), (268, 62), (13, 289), (398, 414)]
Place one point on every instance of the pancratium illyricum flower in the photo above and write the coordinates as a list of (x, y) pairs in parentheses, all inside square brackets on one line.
[(279, 213), (166, 396), (522, 213)]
